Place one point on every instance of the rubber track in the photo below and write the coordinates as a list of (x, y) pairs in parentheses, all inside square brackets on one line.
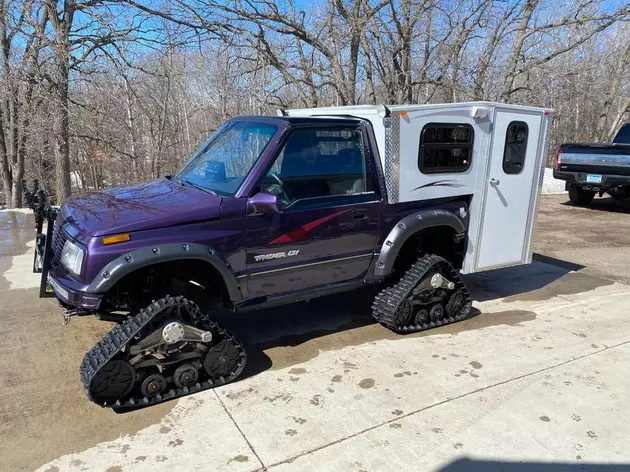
[(123, 333), (388, 300)]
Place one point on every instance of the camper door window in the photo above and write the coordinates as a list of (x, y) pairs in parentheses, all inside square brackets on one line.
[(515, 147)]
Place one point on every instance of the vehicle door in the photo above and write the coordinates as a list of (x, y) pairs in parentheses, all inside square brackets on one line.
[(510, 190), (327, 229)]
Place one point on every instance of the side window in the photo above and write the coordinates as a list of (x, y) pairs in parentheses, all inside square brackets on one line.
[(515, 147), (445, 148), (623, 135), (319, 163)]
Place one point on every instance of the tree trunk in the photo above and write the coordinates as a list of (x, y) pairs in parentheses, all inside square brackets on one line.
[(61, 121), (6, 182), (517, 48), (132, 130), (426, 58), (7, 174), (624, 111), (612, 92), (61, 129), (369, 74), (16, 197)]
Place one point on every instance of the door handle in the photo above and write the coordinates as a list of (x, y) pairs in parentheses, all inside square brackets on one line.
[(359, 215), (494, 182)]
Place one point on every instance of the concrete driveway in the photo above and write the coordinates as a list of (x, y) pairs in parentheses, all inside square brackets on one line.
[(537, 379)]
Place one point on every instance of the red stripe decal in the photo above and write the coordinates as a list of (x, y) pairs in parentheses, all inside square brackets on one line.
[(300, 234)]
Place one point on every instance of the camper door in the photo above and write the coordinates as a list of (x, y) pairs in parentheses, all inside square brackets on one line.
[(510, 190)]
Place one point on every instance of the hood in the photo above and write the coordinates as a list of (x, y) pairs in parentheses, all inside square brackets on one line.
[(142, 206)]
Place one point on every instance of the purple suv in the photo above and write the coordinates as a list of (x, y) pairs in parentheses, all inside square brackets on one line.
[(270, 210)]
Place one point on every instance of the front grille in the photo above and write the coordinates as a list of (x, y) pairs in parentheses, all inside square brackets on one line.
[(58, 240)]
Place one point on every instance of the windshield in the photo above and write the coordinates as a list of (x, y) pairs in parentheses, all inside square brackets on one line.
[(227, 157)]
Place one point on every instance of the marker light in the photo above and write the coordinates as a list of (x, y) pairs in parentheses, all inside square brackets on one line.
[(116, 238)]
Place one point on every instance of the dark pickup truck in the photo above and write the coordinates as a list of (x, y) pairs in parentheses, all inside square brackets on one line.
[(591, 168)]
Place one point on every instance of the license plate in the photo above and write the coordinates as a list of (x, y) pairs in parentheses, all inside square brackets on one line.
[(57, 288), (593, 179)]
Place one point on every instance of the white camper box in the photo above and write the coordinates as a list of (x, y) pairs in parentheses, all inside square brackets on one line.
[(503, 206)]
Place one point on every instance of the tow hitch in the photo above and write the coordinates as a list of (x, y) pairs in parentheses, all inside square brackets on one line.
[(67, 314)]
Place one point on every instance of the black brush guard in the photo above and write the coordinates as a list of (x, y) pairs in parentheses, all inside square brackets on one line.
[(37, 200)]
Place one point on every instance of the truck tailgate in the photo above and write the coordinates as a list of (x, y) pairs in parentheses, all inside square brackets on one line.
[(607, 158)]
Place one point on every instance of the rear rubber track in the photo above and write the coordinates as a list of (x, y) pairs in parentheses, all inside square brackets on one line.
[(389, 301), (124, 333)]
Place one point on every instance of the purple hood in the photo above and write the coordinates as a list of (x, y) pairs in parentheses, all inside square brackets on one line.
[(142, 206)]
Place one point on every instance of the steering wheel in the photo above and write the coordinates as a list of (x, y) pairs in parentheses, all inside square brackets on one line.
[(283, 193), (276, 177)]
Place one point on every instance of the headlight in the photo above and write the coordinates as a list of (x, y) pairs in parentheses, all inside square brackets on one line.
[(72, 257)]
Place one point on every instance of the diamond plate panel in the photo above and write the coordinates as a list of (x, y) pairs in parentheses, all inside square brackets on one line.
[(392, 157)]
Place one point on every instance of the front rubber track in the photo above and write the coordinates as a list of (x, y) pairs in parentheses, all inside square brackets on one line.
[(124, 333)]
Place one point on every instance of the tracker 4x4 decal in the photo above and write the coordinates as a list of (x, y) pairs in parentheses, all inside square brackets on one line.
[(276, 255)]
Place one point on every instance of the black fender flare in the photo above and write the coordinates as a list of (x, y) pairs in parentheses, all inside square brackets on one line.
[(408, 226), (146, 256)]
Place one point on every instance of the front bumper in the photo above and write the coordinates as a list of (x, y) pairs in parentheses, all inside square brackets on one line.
[(578, 179), (69, 293)]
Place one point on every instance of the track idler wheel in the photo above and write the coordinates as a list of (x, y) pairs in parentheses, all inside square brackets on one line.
[(221, 359), (421, 317), (455, 303), (437, 312), (404, 314), (185, 376), (113, 381), (153, 385)]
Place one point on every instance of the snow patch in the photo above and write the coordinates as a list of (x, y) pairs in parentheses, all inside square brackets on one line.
[(20, 276), (16, 210), (550, 185)]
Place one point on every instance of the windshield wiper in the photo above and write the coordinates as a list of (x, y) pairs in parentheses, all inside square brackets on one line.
[(197, 186)]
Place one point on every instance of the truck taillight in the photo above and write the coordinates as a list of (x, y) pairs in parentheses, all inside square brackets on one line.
[(558, 158)]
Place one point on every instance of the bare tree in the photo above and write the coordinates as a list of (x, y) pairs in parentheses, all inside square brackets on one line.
[(604, 128), (21, 30), (111, 92)]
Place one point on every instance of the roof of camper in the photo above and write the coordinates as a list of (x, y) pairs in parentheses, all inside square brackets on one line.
[(370, 109)]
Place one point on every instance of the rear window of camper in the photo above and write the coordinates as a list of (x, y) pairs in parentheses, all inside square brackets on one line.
[(515, 147), (445, 148)]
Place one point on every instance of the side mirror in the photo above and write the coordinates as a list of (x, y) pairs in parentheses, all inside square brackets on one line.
[(263, 203)]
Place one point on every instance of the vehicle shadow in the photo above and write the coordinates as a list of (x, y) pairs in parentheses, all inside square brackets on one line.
[(604, 204), (279, 337), (543, 278), (321, 323), (569, 266), (473, 465)]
